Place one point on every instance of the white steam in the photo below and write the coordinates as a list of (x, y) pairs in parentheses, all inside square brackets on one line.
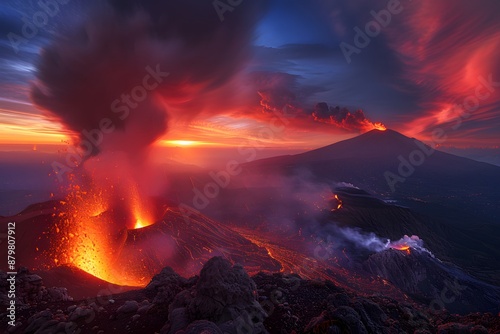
[(371, 242)]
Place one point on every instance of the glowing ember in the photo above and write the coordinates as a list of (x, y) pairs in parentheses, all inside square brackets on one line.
[(339, 203)]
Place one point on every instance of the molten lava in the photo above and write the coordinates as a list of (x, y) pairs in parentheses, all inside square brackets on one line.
[(402, 247), (379, 126), (140, 224), (142, 216), (338, 201), (93, 228), (406, 243)]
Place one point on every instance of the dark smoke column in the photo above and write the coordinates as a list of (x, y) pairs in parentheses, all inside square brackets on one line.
[(120, 70)]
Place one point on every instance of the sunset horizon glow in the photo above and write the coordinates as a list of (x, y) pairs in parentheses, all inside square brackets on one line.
[(294, 88)]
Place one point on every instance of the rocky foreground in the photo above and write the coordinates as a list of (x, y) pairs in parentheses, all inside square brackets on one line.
[(224, 299)]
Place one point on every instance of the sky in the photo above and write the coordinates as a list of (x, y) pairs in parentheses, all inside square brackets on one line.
[(291, 74)]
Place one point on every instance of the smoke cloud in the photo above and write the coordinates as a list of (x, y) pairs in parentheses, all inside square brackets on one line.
[(281, 93), (192, 60), (115, 80), (371, 242), (343, 117), (367, 241), (414, 242)]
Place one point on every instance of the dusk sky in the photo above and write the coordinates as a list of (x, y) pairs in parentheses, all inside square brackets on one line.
[(414, 75)]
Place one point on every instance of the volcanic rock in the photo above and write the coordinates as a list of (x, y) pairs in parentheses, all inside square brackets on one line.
[(79, 313), (224, 294), (130, 306), (203, 327), (30, 289), (223, 299), (165, 286), (40, 321), (432, 282)]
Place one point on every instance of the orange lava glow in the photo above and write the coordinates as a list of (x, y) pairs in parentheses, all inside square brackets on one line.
[(379, 126), (142, 217), (294, 261), (404, 248), (339, 203), (91, 233), (140, 224)]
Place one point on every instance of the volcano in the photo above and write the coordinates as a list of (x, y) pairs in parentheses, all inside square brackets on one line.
[(449, 201), (430, 281), (321, 216), (364, 161), (181, 240)]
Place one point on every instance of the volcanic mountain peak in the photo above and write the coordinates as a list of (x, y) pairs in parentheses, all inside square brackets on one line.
[(370, 144)]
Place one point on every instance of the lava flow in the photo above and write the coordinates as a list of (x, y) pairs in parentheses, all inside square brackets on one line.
[(338, 204), (294, 258)]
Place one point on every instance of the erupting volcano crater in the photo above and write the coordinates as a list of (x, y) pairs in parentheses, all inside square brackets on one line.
[(124, 248)]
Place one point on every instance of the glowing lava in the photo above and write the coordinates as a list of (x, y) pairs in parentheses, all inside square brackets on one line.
[(339, 203), (406, 243), (379, 126), (140, 224), (92, 231), (142, 216), (402, 247)]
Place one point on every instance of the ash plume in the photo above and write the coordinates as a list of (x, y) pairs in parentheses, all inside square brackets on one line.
[(281, 93), (413, 242), (343, 117), (115, 80), (276, 91), (194, 58), (368, 241)]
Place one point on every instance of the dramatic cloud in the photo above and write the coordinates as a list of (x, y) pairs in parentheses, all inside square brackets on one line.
[(344, 118), (433, 57), (450, 52), (414, 76), (281, 93), (133, 60)]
